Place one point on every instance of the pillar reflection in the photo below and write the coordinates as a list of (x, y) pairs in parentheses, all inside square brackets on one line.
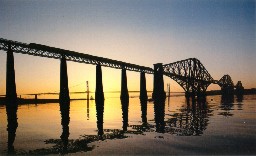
[(159, 109), (65, 119), (12, 125)]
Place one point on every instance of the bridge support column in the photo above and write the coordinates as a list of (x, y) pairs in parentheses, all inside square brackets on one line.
[(143, 97), (64, 91), (99, 99), (11, 95), (64, 101), (143, 88), (158, 91), (124, 90)]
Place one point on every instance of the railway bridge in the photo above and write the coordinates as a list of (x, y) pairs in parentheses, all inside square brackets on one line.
[(190, 73)]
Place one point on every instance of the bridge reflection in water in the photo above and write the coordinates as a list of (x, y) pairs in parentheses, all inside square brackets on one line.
[(191, 120)]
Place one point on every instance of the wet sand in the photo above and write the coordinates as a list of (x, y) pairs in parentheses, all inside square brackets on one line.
[(166, 144)]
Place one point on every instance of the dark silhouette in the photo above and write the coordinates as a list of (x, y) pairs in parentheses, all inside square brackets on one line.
[(143, 89), (239, 91), (99, 99), (64, 100), (190, 73), (64, 91), (125, 107), (11, 101), (88, 109), (11, 110), (159, 109), (143, 105), (64, 110), (227, 104), (124, 99), (124, 90), (159, 94)]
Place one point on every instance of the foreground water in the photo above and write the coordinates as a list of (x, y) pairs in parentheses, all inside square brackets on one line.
[(214, 128)]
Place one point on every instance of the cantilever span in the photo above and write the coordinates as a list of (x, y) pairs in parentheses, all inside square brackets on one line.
[(190, 74), (56, 53)]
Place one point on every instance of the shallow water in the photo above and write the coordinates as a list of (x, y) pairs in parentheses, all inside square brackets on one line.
[(216, 127)]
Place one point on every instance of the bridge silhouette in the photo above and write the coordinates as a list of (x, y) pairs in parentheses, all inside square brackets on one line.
[(190, 74)]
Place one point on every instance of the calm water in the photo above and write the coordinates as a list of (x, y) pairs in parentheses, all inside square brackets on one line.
[(214, 128)]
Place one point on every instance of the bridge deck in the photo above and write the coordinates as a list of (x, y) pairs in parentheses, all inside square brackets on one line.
[(56, 53)]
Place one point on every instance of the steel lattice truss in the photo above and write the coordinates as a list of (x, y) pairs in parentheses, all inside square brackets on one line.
[(56, 53), (190, 74), (226, 81)]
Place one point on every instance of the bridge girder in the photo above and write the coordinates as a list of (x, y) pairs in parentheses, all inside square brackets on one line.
[(190, 74), (57, 53)]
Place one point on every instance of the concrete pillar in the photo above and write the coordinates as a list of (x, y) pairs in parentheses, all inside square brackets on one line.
[(99, 94), (64, 91), (158, 91), (143, 97), (11, 95), (99, 99), (143, 89), (124, 90)]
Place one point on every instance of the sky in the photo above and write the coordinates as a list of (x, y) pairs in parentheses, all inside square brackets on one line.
[(220, 33)]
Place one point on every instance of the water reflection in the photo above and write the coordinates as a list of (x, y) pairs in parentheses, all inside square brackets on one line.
[(227, 105), (88, 109), (240, 98), (159, 108), (11, 110), (64, 110), (144, 127), (192, 120), (125, 107), (100, 110), (143, 105)]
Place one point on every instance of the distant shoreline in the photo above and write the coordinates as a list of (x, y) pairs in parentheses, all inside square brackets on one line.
[(42, 101)]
